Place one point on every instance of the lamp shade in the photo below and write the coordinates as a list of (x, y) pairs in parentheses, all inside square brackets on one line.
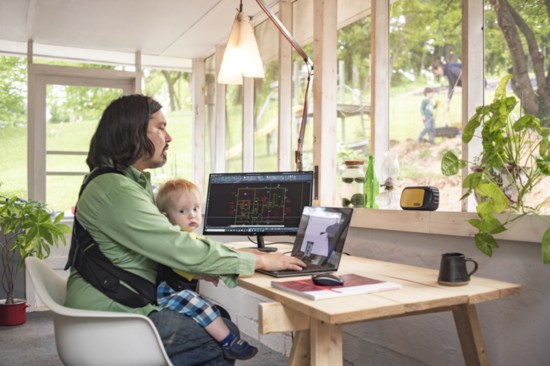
[(241, 56)]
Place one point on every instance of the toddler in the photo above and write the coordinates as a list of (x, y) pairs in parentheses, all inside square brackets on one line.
[(180, 201)]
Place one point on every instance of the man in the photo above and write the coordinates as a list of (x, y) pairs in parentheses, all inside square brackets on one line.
[(453, 72), (119, 212)]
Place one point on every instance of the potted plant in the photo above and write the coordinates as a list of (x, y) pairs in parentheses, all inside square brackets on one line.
[(515, 157), (27, 228)]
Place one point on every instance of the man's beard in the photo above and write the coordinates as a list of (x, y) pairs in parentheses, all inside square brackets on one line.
[(162, 160)]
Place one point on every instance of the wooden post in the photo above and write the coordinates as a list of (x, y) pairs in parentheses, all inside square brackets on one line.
[(324, 94)]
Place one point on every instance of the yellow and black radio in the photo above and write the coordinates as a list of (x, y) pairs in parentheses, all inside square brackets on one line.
[(424, 198)]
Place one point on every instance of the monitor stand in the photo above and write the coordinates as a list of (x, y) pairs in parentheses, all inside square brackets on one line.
[(261, 245)]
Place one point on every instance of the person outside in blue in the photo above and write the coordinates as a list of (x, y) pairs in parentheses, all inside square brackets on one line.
[(453, 73), (427, 111)]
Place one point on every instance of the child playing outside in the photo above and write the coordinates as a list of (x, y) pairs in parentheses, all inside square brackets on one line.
[(180, 201), (427, 111)]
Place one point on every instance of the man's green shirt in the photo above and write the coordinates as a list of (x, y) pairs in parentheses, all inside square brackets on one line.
[(119, 212)]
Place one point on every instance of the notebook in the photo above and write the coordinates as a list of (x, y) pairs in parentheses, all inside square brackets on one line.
[(320, 240)]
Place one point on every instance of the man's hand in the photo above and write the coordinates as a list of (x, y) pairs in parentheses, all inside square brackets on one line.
[(277, 262)]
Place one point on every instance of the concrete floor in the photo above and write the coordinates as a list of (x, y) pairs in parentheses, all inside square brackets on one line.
[(33, 343)]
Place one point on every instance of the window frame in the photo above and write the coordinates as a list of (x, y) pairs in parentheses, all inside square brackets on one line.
[(39, 76)]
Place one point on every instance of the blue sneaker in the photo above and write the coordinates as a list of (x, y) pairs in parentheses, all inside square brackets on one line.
[(239, 349)]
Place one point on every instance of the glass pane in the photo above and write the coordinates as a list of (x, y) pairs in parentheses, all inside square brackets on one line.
[(425, 122), (266, 121), (72, 116), (514, 54), (62, 192), (234, 128), (171, 89), (210, 117), (13, 126), (353, 97), (179, 163)]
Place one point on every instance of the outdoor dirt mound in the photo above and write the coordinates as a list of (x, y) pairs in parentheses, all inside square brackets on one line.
[(421, 163)]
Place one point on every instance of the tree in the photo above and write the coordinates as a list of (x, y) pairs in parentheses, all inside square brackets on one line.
[(527, 19), (172, 78), (13, 90), (354, 49), (421, 31), (168, 87)]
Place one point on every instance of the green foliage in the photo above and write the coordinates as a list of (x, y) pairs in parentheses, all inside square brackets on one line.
[(354, 49), (515, 157), (422, 31), (171, 88), (451, 164), (13, 90), (347, 153), (78, 103), (30, 229)]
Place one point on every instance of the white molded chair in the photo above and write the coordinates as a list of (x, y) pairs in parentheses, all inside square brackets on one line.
[(95, 338)]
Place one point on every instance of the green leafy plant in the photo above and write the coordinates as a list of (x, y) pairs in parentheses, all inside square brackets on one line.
[(515, 158), (27, 228)]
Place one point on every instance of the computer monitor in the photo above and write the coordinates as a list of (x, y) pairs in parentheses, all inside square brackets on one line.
[(256, 204)]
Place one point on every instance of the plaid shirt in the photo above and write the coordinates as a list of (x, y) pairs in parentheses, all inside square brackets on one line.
[(187, 302)]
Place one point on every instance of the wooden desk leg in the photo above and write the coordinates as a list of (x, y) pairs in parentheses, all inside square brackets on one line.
[(469, 332), (326, 344), (299, 355)]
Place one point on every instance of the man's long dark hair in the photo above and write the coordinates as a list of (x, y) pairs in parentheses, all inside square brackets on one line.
[(121, 136)]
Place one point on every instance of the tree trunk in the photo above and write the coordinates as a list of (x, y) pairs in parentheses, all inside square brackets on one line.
[(510, 22), (170, 82)]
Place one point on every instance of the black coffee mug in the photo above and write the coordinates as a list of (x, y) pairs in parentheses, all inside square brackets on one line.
[(453, 271)]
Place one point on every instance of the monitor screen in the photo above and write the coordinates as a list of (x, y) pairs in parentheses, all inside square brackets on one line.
[(256, 203)]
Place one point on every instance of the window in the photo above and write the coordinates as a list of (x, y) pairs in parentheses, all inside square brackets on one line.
[(74, 111), (353, 95), (13, 126), (266, 121), (72, 116), (234, 127), (171, 88), (525, 48), (425, 106)]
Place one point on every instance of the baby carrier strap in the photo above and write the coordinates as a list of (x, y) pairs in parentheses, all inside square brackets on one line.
[(86, 257)]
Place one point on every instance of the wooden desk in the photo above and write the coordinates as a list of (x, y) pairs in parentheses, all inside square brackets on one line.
[(318, 324)]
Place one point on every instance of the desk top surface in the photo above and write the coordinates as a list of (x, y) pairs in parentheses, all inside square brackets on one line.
[(420, 292)]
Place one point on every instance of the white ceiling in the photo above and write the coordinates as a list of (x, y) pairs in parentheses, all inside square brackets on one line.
[(165, 31)]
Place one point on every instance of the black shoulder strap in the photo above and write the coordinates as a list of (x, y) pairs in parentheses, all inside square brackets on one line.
[(95, 173), (86, 257)]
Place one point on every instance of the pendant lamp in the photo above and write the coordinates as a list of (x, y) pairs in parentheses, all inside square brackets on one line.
[(241, 56)]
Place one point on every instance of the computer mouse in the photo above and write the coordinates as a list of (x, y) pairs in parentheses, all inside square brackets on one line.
[(326, 279)]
